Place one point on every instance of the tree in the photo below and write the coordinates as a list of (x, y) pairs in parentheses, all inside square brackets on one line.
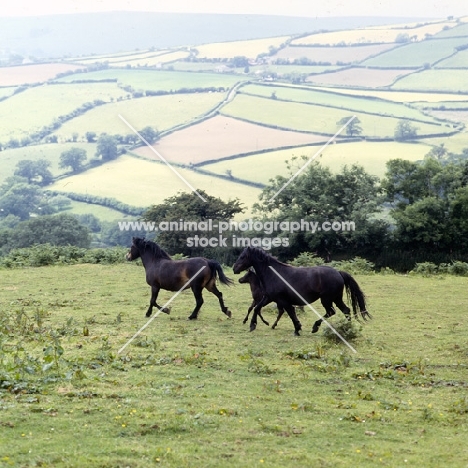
[(106, 147), (19, 198), (405, 130), (149, 134), (189, 207), (36, 172), (73, 158), (90, 137), (353, 128)]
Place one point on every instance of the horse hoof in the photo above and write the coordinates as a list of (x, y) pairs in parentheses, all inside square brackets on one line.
[(244, 321), (148, 314), (253, 327), (192, 317), (296, 333), (228, 313), (273, 326), (166, 310), (315, 329)]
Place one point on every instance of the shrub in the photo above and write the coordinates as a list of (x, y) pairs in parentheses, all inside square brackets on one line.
[(307, 259), (355, 266), (350, 330)]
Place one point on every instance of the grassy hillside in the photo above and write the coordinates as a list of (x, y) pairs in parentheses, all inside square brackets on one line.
[(209, 393), (436, 80)]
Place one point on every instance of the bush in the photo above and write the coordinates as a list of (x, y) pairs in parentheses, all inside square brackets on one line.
[(425, 268), (307, 259), (357, 265), (350, 330)]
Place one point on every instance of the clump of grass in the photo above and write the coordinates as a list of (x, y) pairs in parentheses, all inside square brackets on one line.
[(350, 330)]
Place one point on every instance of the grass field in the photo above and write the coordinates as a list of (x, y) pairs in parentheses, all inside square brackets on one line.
[(374, 106), (219, 137), (417, 54), (372, 156), (306, 117), (435, 80), (161, 112), (144, 183), (101, 212), (456, 143), (209, 393), (459, 60), (36, 107), (369, 35), (333, 55), (460, 30), (250, 49), (160, 80), (7, 91), (51, 152)]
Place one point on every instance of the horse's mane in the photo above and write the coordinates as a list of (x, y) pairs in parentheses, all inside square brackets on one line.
[(151, 246), (262, 256)]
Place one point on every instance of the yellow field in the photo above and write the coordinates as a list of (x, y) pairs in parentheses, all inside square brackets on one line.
[(161, 112), (121, 57), (143, 183), (373, 35), (372, 156), (249, 49), (154, 60)]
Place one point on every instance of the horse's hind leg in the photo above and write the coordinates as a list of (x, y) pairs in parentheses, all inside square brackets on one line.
[(329, 312), (292, 314), (211, 286), (248, 312), (280, 314), (343, 307)]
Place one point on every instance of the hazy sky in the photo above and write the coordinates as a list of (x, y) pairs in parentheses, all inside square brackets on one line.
[(311, 8)]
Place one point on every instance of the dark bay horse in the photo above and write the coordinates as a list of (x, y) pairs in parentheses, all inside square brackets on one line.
[(301, 286), (162, 272)]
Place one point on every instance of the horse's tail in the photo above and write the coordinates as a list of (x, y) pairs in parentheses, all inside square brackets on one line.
[(355, 295), (217, 271)]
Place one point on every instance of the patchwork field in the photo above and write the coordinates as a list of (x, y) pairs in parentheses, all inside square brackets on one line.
[(143, 183), (160, 80), (369, 35), (372, 156), (333, 55), (160, 112), (365, 77), (250, 49), (30, 110), (222, 136), (456, 143), (37, 73), (435, 80)]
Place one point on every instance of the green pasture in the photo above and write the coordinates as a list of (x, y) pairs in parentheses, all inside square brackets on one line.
[(159, 80), (101, 212), (140, 182), (416, 54), (460, 30), (7, 91), (459, 60), (435, 80), (51, 152), (372, 156), (155, 60), (182, 66), (208, 393), (160, 112), (354, 103), (36, 107), (455, 143), (442, 105), (312, 118)]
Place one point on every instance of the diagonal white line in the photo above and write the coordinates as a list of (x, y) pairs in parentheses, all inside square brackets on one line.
[(162, 159), (312, 158), (316, 313), (159, 311)]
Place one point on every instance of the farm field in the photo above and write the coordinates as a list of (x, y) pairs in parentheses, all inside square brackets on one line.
[(460, 30), (36, 107), (101, 212), (368, 35), (209, 393), (143, 183), (37, 73), (435, 80), (250, 49), (331, 99), (51, 152), (455, 143), (219, 137), (160, 112), (417, 54), (157, 61), (453, 115), (7, 91), (459, 60), (372, 156), (121, 59), (333, 55), (311, 118), (365, 77), (159, 80)]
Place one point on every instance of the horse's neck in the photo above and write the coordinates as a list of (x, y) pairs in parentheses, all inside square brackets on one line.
[(148, 259)]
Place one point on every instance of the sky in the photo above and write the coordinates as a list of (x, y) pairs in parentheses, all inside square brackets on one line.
[(304, 8)]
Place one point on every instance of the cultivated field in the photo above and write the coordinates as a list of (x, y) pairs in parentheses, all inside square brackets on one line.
[(369, 35), (359, 77), (459, 60), (209, 393), (144, 183), (29, 74), (435, 80), (160, 112), (333, 55), (372, 156), (220, 137)]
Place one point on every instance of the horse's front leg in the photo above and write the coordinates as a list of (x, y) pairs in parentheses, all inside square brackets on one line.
[(197, 292), (154, 295), (256, 312), (292, 314)]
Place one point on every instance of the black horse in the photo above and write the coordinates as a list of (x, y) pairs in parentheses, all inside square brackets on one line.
[(162, 272), (288, 286)]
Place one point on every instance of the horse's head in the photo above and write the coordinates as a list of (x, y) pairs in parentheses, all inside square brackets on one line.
[(244, 261), (249, 277), (134, 251)]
